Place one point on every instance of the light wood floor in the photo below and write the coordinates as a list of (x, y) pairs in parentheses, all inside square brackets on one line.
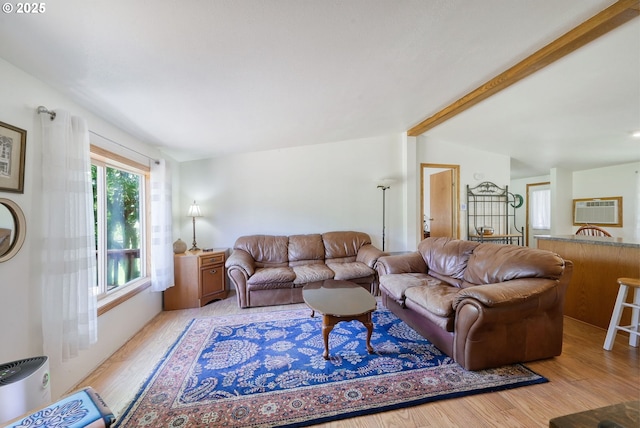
[(584, 377)]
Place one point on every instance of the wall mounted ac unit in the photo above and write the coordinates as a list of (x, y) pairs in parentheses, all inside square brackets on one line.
[(597, 211), (24, 387)]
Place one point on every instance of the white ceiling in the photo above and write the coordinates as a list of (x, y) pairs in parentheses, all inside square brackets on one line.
[(212, 78)]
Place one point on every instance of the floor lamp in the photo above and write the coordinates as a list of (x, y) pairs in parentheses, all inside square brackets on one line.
[(384, 203), (194, 211)]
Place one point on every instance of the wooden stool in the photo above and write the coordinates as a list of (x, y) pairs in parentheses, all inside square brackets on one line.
[(614, 324)]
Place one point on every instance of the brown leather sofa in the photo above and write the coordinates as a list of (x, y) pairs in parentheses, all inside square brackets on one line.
[(483, 304), (272, 270)]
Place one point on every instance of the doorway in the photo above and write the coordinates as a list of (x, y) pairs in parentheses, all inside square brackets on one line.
[(532, 229), (439, 200)]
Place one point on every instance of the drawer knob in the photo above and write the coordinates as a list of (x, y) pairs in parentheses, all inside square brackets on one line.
[(212, 271)]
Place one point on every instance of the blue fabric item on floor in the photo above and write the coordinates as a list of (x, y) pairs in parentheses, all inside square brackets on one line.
[(84, 408)]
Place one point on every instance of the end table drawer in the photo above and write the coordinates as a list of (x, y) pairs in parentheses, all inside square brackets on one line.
[(212, 259)]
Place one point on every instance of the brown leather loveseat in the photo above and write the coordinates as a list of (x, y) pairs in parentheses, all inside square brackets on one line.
[(483, 304), (272, 270)]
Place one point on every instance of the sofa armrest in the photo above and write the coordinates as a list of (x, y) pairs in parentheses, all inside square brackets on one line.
[(508, 293), (240, 266), (368, 254), (241, 260), (514, 321), (401, 263)]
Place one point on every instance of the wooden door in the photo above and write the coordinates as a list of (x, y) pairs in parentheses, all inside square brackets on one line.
[(441, 201)]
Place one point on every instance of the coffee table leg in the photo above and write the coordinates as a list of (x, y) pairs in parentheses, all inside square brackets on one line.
[(327, 326), (369, 326), (328, 322)]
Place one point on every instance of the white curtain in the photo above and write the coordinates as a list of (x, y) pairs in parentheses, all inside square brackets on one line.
[(541, 209), (69, 314), (161, 237)]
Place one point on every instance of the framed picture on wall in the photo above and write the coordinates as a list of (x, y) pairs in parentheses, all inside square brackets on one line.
[(13, 143)]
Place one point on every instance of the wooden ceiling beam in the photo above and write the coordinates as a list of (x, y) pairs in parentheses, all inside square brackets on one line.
[(605, 21)]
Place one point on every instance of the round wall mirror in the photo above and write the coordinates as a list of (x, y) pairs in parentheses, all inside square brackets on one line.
[(13, 227)]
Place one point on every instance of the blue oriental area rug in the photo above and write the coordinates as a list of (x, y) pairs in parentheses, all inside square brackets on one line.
[(267, 369)]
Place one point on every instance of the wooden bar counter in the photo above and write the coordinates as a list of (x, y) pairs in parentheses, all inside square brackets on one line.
[(597, 264)]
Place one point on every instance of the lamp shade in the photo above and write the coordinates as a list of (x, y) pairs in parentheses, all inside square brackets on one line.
[(194, 210)]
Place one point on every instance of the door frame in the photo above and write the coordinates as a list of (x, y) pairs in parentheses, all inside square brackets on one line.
[(527, 209), (456, 196)]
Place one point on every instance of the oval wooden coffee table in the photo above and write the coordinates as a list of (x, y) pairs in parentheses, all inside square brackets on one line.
[(340, 301)]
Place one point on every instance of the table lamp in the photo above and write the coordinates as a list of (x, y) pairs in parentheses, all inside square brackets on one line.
[(194, 211)]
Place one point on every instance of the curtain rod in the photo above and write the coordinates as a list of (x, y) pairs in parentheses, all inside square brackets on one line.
[(43, 109), (52, 114)]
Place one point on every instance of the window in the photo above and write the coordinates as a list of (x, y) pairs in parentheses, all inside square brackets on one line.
[(120, 224), (541, 209)]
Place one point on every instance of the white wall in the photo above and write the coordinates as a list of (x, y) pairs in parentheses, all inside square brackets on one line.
[(412, 224), (20, 315), (306, 189), (561, 201)]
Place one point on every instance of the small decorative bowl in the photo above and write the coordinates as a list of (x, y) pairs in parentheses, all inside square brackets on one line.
[(485, 230)]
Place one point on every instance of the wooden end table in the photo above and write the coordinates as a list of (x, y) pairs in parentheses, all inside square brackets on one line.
[(340, 301)]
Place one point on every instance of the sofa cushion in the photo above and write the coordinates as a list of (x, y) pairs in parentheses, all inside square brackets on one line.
[(445, 323), (343, 245), (312, 273), (436, 297), (395, 284), (347, 271), (276, 275), (447, 258), (492, 263), (304, 249), (266, 250)]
